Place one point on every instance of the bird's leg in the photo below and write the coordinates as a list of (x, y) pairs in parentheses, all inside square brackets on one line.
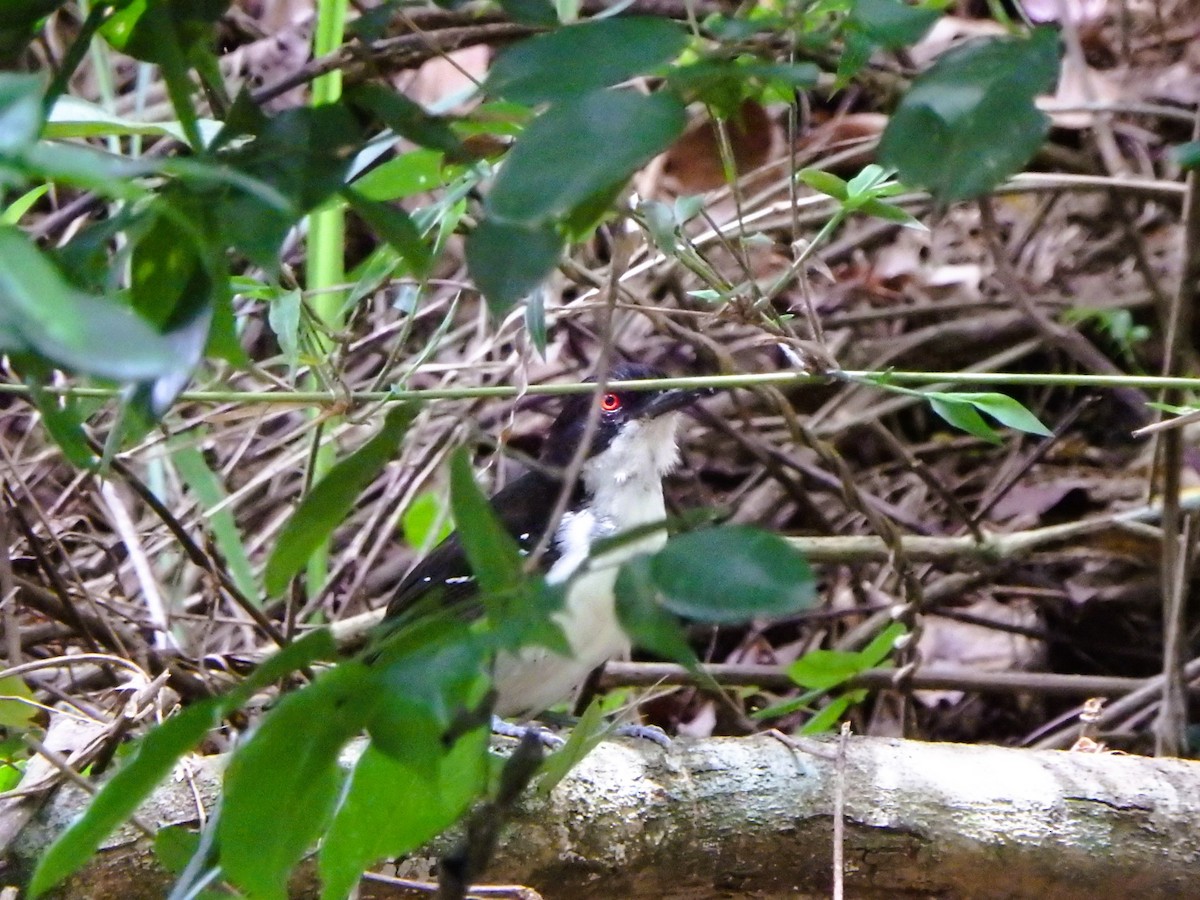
[(548, 738)]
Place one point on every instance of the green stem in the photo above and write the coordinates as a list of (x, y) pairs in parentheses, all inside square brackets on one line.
[(326, 257), (778, 379)]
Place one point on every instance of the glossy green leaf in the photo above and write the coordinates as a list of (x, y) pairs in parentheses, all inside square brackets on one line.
[(21, 115), (41, 314), (390, 808), (893, 23), (963, 415), (282, 783), (429, 674), (554, 166), (970, 121), (407, 174), (881, 210), (1002, 408), (508, 261), (547, 68), (1006, 411), (331, 499), (73, 117), (396, 227), (150, 763), (760, 574)]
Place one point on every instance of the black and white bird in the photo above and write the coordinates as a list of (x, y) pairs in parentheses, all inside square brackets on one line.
[(619, 488)]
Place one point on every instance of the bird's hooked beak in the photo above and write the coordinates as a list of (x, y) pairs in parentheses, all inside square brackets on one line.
[(672, 400)]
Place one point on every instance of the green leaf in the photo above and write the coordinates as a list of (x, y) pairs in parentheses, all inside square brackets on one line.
[(426, 511), (648, 625), (535, 321), (1186, 156), (15, 211), (315, 646), (16, 709), (970, 121), (174, 846), (407, 174), (284, 318), (391, 809), (1007, 411), (825, 669), (40, 313), (825, 182), (508, 261), (585, 736), (209, 493), (148, 765), (491, 551), (530, 12), (406, 117), (833, 712), (555, 166), (1002, 408), (893, 23), (881, 210), (331, 499), (396, 227), (73, 117), (21, 114), (962, 415), (760, 575), (63, 418), (282, 784), (546, 68), (881, 645), (428, 674)]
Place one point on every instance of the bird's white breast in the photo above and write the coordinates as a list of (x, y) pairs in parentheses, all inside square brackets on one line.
[(624, 484)]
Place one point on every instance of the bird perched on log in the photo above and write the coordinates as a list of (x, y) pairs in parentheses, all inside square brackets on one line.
[(632, 446)]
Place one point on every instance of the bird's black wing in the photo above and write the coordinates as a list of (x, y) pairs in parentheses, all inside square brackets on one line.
[(523, 507)]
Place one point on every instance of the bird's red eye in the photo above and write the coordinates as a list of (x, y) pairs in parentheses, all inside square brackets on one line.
[(610, 403)]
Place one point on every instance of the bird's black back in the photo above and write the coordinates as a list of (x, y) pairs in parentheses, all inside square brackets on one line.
[(523, 508)]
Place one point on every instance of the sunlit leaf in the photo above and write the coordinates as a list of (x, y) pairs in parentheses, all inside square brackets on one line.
[(390, 808)]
